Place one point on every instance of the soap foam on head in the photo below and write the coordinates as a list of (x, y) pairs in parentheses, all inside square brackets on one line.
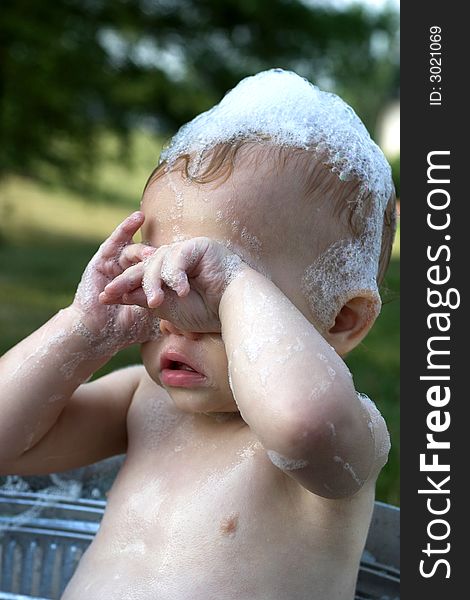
[(289, 111)]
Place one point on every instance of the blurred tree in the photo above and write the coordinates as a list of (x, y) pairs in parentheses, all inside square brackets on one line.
[(69, 68)]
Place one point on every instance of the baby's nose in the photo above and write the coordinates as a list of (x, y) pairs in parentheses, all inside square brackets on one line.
[(167, 327)]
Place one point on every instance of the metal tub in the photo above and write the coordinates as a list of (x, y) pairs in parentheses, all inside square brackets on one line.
[(40, 555)]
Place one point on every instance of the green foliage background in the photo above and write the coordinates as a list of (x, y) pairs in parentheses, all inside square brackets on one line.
[(70, 68)]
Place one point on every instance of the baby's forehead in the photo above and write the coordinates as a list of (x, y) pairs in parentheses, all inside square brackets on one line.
[(269, 197), (258, 176), (230, 212)]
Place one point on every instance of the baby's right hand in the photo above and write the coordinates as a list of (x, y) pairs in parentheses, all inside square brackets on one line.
[(116, 325), (182, 282)]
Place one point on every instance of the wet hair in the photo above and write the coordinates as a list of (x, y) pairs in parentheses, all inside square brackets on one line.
[(318, 179)]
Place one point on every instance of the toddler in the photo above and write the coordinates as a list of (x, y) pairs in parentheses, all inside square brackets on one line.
[(251, 460)]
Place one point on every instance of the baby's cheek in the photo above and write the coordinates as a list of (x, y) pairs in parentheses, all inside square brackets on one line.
[(149, 352)]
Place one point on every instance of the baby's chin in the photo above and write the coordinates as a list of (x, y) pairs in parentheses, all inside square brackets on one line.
[(202, 401)]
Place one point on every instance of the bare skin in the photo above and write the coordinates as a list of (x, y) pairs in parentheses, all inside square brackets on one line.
[(258, 487), (215, 519)]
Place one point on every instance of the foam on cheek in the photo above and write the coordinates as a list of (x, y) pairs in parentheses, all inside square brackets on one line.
[(252, 242), (228, 217), (252, 261)]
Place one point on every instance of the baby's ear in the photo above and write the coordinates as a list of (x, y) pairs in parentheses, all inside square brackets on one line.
[(354, 321)]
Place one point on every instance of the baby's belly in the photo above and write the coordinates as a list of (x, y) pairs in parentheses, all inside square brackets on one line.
[(231, 534), (269, 573)]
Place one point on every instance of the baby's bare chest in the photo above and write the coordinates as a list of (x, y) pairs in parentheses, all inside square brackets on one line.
[(195, 511), (195, 492), (201, 515)]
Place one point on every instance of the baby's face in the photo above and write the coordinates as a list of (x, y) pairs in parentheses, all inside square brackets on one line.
[(258, 213)]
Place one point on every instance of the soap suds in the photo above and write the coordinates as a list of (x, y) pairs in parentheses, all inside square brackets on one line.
[(232, 266), (291, 349), (332, 428), (376, 425), (349, 469), (286, 464), (255, 338), (252, 242), (249, 451), (174, 278), (354, 264), (292, 112)]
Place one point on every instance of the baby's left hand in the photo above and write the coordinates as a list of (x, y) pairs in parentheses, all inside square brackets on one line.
[(183, 282)]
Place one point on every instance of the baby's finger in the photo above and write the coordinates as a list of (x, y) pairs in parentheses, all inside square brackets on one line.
[(152, 281), (136, 297), (176, 264), (122, 234), (175, 278), (126, 282), (135, 253)]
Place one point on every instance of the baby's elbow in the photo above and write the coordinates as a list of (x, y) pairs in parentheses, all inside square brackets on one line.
[(325, 476), (313, 427), (300, 439), (327, 448)]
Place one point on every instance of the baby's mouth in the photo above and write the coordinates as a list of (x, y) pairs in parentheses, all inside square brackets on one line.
[(176, 361), (176, 370), (176, 366)]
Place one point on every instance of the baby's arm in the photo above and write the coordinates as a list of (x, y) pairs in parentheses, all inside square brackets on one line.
[(291, 387), (42, 375), (295, 392)]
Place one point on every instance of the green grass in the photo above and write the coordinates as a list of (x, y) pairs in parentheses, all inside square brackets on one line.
[(49, 231)]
